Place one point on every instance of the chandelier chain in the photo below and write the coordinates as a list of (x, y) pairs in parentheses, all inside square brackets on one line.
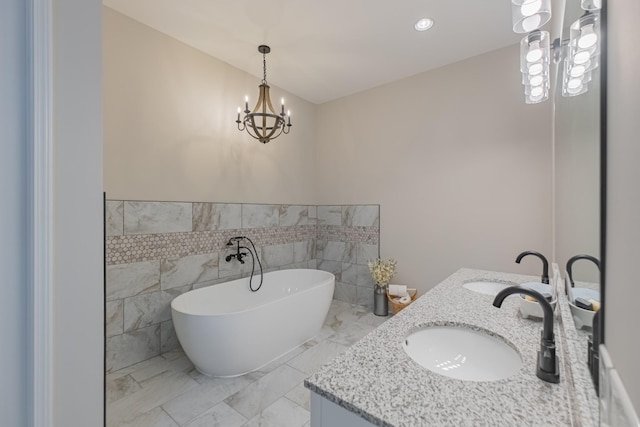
[(264, 68)]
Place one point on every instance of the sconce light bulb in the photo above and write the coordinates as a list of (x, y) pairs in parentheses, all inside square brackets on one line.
[(587, 38), (574, 83), (578, 71), (529, 7), (289, 113), (532, 22), (535, 69), (582, 57), (536, 80), (536, 92), (239, 110), (535, 54), (575, 90)]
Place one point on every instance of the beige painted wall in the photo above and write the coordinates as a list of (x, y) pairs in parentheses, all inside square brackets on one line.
[(577, 183), (623, 197), (459, 163), (170, 131)]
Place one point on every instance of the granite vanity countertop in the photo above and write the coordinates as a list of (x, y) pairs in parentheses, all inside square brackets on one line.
[(584, 401), (377, 380)]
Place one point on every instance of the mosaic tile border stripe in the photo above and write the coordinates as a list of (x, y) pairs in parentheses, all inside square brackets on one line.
[(130, 248), (341, 233)]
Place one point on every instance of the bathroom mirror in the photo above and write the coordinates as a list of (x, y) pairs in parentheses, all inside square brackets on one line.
[(577, 166)]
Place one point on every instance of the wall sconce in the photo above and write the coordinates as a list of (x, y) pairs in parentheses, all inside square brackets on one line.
[(530, 15), (534, 64), (582, 54)]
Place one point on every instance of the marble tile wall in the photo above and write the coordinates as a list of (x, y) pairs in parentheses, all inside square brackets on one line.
[(347, 238), (159, 250)]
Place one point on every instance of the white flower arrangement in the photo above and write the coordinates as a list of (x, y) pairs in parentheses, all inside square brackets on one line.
[(382, 271)]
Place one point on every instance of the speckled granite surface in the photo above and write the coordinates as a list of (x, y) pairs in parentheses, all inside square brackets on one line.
[(583, 400), (377, 380)]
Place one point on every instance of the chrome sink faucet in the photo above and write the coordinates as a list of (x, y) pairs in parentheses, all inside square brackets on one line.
[(547, 369), (545, 263)]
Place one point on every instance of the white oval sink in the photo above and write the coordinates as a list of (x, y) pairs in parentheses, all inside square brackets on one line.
[(462, 353), (486, 287)]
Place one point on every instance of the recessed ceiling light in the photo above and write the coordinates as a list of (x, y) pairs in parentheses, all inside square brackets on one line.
[(424, 24)]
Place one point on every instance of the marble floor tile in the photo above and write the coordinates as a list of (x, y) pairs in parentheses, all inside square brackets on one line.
[(337, 307), (221, 415), (346, 318), (154, 418), (357, 330), (146, 374), (312, 359), (167, 391), (282, 413), (204, 397), (300, 395), (159, 391), (119, 386), (262, 393)]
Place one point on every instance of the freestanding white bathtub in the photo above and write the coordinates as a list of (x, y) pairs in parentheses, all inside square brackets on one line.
[(226, 330)]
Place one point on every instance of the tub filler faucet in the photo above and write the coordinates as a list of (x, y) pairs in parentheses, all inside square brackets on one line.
[(238, 255), (547, 369)]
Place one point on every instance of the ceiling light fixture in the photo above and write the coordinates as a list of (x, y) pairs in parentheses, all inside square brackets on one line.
[(423, 24), (530, 15), (534, 65), (263, 123)]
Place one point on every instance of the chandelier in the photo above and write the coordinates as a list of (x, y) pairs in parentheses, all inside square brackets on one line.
[(263, 123)]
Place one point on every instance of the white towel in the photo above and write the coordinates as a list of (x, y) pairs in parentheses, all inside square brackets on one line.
[(398, 290)]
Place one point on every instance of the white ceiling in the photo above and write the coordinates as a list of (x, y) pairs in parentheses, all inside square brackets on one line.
[(327, 49)]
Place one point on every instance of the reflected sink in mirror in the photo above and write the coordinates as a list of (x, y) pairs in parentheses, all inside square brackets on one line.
[(462, 353), (486, 287)]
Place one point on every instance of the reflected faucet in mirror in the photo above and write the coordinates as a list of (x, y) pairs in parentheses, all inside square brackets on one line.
[(545, 263), (576, 258)]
